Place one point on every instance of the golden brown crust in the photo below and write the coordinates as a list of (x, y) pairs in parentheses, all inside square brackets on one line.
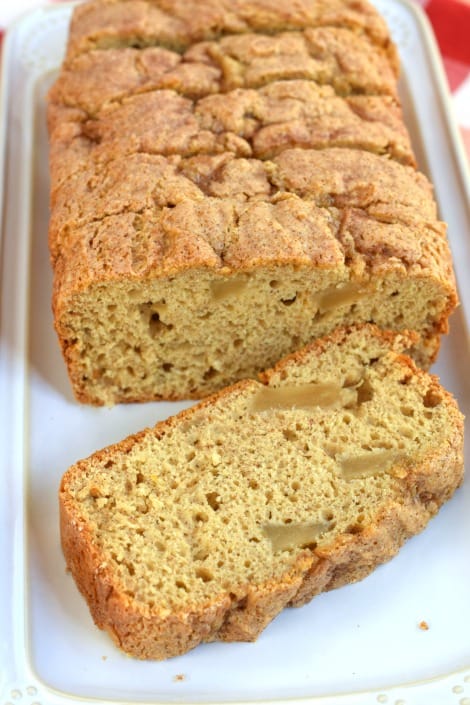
[(255, 123), (178, 23), (327, 55), (360, 203)]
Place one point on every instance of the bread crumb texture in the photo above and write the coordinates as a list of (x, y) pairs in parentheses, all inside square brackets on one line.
[(229, 181), (261, 496)]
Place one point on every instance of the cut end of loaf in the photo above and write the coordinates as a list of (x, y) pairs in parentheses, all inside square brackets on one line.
[(191, 335), (206, 526)]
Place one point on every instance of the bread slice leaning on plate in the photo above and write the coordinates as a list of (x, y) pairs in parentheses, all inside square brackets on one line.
[(206, 526)]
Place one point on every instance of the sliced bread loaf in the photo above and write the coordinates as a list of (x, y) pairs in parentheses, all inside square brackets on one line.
[(231, 179), (261, 496)]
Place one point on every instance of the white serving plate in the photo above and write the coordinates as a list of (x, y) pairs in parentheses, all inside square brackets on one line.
[(355, 646)]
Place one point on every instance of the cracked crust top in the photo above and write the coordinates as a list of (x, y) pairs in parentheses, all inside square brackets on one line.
[(186, 123), (177, 24), (335, 56), (327, 208)]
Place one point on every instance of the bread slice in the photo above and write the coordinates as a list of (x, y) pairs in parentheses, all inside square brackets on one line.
[(261, 496)]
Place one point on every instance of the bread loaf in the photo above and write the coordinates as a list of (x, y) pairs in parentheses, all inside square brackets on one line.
[(230, 180), (261, 496)]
